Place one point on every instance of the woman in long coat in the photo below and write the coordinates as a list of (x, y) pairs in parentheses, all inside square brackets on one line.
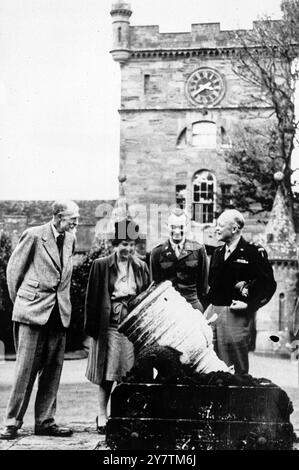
[(113, 281)]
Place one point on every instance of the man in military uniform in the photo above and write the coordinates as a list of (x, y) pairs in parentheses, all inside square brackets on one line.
[(181, 261), (241, 281)]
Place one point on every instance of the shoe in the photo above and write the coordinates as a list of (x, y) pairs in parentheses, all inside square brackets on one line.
[(100, 429), (53, 430), (9, 432)]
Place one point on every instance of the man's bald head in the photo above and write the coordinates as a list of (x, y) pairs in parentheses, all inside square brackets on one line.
[(65, 207), (233, 216), (65, 216), (229, 225)]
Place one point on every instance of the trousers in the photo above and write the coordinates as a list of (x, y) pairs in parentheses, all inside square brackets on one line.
[(231, 337), (40, 353)]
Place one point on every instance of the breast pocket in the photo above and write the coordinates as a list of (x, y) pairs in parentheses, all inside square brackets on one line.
[(187, 270), (242, 270), (191, 266), (192, 263)]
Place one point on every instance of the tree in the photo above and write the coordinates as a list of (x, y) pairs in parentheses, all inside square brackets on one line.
[(253, 160), (6, 334), (267, 58), (79, 281)]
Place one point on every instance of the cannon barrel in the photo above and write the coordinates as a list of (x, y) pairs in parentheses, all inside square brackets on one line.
[(165, 318)]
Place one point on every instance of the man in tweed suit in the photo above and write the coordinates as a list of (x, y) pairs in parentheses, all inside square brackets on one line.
[(38, 277)]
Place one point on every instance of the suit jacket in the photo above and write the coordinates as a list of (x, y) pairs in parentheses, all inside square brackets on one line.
[(188, 273), (248, 263), (36, 279), (100, 286)]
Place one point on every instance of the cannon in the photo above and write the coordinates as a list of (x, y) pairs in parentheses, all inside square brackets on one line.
[(194, 402)]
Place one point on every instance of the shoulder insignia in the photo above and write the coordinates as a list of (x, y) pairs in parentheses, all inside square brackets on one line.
[(259, 247)]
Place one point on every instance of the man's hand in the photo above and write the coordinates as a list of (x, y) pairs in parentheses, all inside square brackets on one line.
[(238, 306)]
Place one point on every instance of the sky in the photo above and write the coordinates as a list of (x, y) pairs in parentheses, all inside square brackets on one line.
[(60, 88)]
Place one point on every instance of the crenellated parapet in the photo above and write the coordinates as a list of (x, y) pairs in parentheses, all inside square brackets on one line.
[(204, 39), (201, 36), (143, 42)]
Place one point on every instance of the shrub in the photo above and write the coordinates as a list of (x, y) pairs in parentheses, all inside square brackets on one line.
[(76, 336), (6, 334)]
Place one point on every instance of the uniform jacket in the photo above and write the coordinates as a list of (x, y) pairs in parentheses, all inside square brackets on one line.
[(188, 273), (100, 287), (249, 263), (36, 279)]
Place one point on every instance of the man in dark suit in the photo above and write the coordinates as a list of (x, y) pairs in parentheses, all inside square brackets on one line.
[(38, 277), (241, 281), (181, 261)]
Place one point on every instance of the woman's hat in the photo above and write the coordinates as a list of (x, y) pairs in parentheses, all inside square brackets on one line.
[(125, 230)]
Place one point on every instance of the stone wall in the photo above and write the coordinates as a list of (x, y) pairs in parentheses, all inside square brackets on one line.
[(16, 216), (167, 81)]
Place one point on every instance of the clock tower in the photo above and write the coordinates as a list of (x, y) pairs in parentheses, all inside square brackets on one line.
[(180, 104)]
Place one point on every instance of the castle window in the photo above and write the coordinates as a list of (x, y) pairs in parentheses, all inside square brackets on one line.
[(226, 196), (204, 135), (119, 34), (180, 195), (225, 139), (182, 139), (146, 83), (270, 237), (203, 197)]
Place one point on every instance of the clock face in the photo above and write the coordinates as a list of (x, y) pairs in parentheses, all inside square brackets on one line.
[(205, 87)]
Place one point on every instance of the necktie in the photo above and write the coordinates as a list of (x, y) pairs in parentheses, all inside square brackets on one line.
[(177, 251), (59, 241), (227, 253)]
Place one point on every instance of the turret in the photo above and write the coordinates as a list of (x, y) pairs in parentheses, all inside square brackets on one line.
[(278, 318), (121, 13)]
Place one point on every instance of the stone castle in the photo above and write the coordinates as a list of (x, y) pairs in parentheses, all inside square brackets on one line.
[(180, 102)]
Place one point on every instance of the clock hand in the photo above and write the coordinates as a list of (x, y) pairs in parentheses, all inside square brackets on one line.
[(199, 90), (206, 86)]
